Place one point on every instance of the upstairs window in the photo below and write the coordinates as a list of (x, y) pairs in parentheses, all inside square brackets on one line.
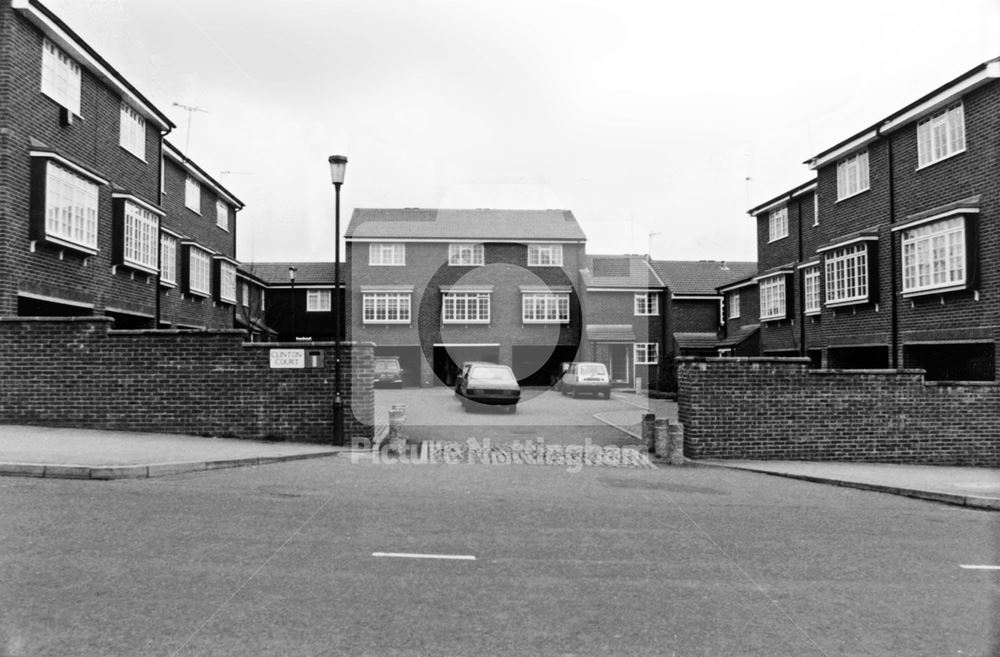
[(545, 308), (199, 272), (466, 308), (545, 255), (386, 254), (778, 224), (810, 286), (772, 297), (733, 303), (852, 175), (71, 203), (647, 303), (140, 230), (168, 260), (192, 194), (222, 215), (934, 256), (132, 132), (847, 274), (60, 77), (465, 254), (941, 135), (227, 282), (319, 301)]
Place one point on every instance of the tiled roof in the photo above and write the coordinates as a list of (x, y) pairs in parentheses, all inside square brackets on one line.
[(418, 223), (629, 271), (610, 333), (738, 336), (701, 276), (696, 340), (306, 273)]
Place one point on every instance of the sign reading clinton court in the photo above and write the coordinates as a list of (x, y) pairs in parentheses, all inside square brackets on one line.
[(288, 359)]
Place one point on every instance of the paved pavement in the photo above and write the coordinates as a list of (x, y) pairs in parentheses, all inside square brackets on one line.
[(88, 454)]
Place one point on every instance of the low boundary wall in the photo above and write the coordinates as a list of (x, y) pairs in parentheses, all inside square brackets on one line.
[(779, 409), (77, 372)]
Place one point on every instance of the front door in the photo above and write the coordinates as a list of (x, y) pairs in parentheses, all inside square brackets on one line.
[(621, 372)]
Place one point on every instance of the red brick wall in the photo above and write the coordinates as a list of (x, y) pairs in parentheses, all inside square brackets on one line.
[(769, 408), (74, 372)]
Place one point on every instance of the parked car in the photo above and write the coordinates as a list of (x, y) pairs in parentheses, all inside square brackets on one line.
[(586, 378), (388, 372), (488, 383), (464, 373)]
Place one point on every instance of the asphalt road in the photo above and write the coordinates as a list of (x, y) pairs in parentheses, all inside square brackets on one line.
[(277, 560)]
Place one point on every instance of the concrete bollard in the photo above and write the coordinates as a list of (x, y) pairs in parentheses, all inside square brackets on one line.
[(675, 434), (397, 433), (649, 431), (662, 447)]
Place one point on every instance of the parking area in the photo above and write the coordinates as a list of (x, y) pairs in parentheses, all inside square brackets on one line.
[(437, 414)]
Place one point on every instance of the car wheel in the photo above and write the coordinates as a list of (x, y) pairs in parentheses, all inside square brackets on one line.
[(513, 409), (607, 395)]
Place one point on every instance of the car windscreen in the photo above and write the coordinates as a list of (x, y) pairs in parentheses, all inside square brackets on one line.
[(492, 374), (595, 369), (386, 366)]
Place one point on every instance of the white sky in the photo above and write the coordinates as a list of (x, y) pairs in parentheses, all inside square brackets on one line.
[(639, 116)]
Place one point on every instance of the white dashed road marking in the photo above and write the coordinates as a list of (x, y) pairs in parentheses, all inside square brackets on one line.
[(975, 567), (408, 555)]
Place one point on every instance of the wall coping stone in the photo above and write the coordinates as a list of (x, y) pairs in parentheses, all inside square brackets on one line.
[(303, 345), (83, 319), (790, 360)]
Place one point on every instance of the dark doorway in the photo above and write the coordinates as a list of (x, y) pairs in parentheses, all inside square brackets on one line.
[(540, 365), (953, 362), (858, 358), (409, 360), (448, 359)]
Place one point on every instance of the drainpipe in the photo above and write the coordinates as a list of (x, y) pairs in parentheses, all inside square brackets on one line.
[(893, 275)]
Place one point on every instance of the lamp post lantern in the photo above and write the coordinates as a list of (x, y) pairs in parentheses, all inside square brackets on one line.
[(291, 277), (338, 165)]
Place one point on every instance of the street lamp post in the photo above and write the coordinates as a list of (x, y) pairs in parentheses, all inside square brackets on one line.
[(291, 277), (338, 164)]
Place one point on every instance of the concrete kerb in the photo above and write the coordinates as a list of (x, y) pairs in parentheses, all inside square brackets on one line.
[(954, 499), (146, 471)]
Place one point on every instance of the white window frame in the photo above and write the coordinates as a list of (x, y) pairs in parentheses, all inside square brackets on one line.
[(199, 271), (385, 307), (61, 78), (192, 194), (132, 131), (853, 175), (465, 254), (222, 215), (227, 282), (139, 241), (263, 294), (733, 304), (71, 207), (168, 259), (773, 297), (465, 308), (816, 209), (319, 301), (777, 224), (545, 255), (387, 254), (811, 291), (646, 304), (941, 136), (645, 353), (545, 308), (846, 276), (245, 295), (934, 256)]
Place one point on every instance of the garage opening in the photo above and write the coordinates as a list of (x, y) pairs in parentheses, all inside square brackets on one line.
[(953, 362), (448, 359), (540, 365), (409, 360), (858, 358)]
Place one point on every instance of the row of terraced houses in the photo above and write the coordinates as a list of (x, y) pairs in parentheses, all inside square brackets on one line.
[(887, 258)]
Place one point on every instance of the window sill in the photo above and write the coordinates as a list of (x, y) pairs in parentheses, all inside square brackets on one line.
[(552, 265), (777, 239), (812, 313), (198, 293), (310, 310), (167, 284), (946, 157), (848, 302), (135, 266), (141, 158), (960, 287), (543, 322), (471, 322), (61, 243), (773, 319), (850, 196)]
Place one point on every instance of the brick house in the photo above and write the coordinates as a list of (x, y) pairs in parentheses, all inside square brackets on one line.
[(889, 265), (439, 287), (303, 307), (624, 311), (739, 334), (251, 309), (92, 195)]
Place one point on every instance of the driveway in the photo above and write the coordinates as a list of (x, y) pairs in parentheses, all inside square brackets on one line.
[(436, 413)]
